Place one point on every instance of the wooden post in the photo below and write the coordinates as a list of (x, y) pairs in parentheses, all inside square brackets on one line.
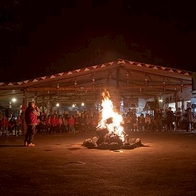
[(43, 105), (183, 108), (48, 106), (117, 93), (24, 106), (35, 98), (117, 77), (176, 102)]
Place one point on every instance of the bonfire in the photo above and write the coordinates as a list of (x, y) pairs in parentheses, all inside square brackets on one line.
[(110, 130)]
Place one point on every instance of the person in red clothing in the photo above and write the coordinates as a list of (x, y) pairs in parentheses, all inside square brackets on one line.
[(71, 122), (65, 123), (18, 124), (57, 123), (11, 125), (60, 124), (54, 123), (48, 124), (31, 114), (4, 126)]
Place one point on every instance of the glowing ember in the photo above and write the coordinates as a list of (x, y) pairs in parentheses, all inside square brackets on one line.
[(111, 120)]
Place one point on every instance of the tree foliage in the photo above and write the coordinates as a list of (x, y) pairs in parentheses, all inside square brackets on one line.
[(10, 15), (10, 24)]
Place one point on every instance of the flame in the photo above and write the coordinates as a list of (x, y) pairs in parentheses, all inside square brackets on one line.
[(111, 120)]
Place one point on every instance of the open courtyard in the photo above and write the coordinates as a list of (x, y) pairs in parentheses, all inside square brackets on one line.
[(59, 165)]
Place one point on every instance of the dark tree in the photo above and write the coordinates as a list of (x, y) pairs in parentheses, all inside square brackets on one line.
[(10, 26)]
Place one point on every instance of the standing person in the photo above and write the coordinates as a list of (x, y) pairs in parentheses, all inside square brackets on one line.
[(128, 121), (147, 122), (65, 124), (18, 125), (77, 122), (60, 124), (83, 123), (71, 122), (189, 119), (158, 119), (11, 126), (4, 125), (54, 123), (48, 124), (178, 118), (31, 114), (169, 119)]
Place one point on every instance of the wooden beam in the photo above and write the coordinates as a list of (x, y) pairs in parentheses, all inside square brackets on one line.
[(101, 88)]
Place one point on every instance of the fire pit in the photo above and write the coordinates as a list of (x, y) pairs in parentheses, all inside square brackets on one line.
[(111, 142), (110, 132)]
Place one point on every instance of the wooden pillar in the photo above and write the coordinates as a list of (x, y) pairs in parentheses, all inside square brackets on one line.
[(176, 101), (10, 104), (35, 98), (42, 106), (109, 79), (24, 106), (117, 77), (117, 94), (183, 108), (48, 106)]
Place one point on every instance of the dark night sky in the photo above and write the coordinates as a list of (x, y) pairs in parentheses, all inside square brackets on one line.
[(59, 36)]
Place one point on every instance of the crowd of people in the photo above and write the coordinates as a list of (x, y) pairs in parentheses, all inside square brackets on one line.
[(87, 122), (10, 126), (51, 123), (65, 123), (160, 120)]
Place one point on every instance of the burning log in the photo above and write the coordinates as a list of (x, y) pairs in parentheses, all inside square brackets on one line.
[(92, 144), (113, 138), (114, 146), (89, 143), (103, 146), (134, 143), (104, 140), (102, 134)]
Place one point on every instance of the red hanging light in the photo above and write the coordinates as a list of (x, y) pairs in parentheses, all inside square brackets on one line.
[(57, 86), (75, 84), (93, 82), (110, 77), (127, 76), (146, 80)]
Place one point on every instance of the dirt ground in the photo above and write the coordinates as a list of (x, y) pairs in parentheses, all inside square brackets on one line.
[(60, 165)]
